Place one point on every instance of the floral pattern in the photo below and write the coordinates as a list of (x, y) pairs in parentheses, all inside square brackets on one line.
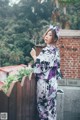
[(47, 70)]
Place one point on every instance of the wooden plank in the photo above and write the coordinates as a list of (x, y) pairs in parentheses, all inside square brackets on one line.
[(24, 99), (3, 104), (12, 101), (33, 98), (19, 101), (28, 99)]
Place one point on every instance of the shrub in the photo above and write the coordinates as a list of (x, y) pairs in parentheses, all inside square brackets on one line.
[(17, 77), (24, 72)]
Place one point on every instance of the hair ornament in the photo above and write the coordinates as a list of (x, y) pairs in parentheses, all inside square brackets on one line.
[(56, 28)]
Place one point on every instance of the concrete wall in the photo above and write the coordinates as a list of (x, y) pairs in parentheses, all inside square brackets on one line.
[(70, 104), (60, 106)]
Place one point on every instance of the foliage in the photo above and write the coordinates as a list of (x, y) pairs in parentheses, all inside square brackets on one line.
[(8, 82), (23, 72), (17, 77), (68, 1), (22, 26), (70, 19)]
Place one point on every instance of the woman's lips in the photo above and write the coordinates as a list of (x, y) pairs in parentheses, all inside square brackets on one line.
[(46, 40)]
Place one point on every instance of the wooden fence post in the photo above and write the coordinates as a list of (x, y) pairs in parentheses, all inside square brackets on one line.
[(33, 110), (3, 104), (19, 101), (12, 93)]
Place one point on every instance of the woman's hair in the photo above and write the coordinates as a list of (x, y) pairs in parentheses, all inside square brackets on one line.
[(53, 33)]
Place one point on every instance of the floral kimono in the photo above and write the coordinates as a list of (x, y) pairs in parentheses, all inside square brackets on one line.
[(47, 69)]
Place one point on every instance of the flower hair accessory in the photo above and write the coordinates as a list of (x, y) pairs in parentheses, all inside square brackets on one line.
[(56, 28)]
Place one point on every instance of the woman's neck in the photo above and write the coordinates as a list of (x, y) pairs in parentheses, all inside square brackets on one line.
[(52, 45)]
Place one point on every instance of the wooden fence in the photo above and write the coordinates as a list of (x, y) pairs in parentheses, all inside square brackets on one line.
[(20, 101)]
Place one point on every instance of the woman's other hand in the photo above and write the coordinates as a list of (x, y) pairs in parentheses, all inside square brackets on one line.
[(33, 54)]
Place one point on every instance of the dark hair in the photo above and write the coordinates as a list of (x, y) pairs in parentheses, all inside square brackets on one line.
[(55, 35), (53, 31)]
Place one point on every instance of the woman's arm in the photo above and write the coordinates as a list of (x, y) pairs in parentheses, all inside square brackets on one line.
[(33, 54), (36, 65)]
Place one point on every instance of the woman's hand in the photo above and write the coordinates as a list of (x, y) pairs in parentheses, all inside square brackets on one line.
[(33, 54)]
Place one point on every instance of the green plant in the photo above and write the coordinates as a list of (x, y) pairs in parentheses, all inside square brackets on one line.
[(24, 72), (17, 77), (8, 81)]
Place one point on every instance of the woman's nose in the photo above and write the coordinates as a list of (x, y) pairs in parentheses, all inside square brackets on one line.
[(46, 36)]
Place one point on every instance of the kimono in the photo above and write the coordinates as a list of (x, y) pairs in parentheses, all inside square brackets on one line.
[(47, 70)]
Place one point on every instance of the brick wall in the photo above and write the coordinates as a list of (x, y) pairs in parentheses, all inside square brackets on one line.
[(69, 45), (70, 57)]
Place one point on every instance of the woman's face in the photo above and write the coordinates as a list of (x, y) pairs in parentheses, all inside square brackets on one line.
[(49, 37)]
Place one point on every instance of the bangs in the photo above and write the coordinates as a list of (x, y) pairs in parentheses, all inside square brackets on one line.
[(53, 33)]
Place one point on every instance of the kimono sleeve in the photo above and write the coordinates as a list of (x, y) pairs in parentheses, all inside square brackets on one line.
[(58, 73), (42, 63), (37, 66)]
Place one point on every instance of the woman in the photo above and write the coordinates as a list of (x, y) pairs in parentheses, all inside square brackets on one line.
[(47, 70)]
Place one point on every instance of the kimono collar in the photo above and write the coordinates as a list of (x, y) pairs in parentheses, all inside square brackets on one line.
[(51, 46)]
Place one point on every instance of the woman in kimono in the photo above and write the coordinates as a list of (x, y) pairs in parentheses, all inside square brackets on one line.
[(47, 70)]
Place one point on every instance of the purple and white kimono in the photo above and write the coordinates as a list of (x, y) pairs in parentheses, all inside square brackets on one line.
[(47, 69)]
